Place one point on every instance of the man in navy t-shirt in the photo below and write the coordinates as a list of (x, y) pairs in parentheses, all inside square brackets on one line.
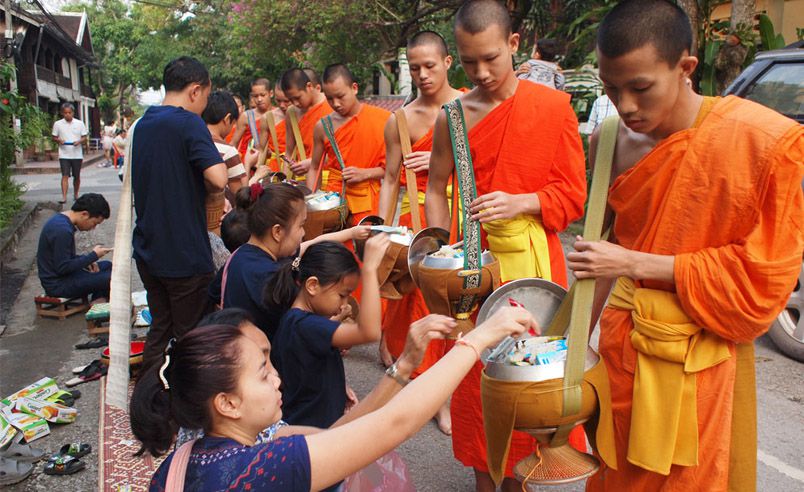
[(62, 272), (174, 166)]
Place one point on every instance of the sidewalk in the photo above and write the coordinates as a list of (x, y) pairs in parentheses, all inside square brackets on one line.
[(52, 167)]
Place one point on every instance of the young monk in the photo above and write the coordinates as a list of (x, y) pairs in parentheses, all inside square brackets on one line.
[(248, 124), (358, 131), (530, 178), (708, 213), (310, 105), (269, 154), (429, 62)]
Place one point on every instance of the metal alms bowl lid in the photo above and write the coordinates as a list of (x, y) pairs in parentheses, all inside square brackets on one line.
[(425, 242), (453, 263), (542, 298)]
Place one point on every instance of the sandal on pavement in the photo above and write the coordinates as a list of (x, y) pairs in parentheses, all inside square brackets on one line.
[(96, 342), (92, 372), (74, 449), (21, 453), (66, 398), (12, 471), (64, 465)]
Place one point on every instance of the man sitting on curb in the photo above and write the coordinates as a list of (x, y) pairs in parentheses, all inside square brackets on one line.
[(62, 273)]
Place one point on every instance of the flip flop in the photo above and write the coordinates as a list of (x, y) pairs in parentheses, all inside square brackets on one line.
[(66, 398), (64, 465), (94, 343), (74, 449), (12, 471), (78, 369), (94, 371), (22, 453)]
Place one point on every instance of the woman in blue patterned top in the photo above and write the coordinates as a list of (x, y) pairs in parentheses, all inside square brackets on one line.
[(218, 379)]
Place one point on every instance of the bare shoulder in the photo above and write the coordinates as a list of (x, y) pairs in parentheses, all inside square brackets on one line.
[(391, 127)]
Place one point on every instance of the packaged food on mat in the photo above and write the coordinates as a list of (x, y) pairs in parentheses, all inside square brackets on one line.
[(7, 431), (323, 200), (31, 426), (538, 351), (40, 390), (52, 412)]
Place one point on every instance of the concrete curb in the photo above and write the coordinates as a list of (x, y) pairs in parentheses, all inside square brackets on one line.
[(11, 234), (51, 169)]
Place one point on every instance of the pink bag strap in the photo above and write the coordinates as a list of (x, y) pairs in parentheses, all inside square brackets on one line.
[(178, 467), (225, 274)]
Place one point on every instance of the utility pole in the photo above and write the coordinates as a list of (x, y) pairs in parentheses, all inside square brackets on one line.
[(13, 82)]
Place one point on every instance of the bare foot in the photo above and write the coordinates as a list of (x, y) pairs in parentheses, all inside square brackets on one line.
[(444, 419), (385, 356)]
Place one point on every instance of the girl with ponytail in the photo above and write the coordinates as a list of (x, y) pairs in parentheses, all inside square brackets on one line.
[(275, 217), (314, 290)]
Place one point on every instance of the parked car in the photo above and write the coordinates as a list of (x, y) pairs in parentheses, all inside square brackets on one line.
[(776, 79)]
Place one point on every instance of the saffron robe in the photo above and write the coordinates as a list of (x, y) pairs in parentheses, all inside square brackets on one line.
[(307, 123), (400, 314), (724, 197), (361, 141), (529, 143), (281, 137)]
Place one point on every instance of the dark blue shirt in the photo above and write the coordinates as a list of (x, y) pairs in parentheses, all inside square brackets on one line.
[(249, 270), (171, 149), (313, 381), (55, 257), (219, 463)]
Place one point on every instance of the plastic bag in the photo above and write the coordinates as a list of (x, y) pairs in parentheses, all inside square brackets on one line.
[(389, 473)]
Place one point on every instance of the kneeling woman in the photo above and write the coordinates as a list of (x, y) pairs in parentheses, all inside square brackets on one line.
[(217, 379)]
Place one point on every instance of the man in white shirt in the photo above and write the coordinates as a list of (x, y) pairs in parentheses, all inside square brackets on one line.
[(70, 133), (602, 108)]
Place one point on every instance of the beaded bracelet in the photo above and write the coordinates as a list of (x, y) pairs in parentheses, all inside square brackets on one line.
[(462, 341)]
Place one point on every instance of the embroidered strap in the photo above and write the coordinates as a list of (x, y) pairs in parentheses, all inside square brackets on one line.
[(178, 467), (297, 136), (329, 131), (252, 126), (412, 186), (464, 172)]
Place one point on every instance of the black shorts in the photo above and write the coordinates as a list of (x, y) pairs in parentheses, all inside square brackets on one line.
[(71, 167)]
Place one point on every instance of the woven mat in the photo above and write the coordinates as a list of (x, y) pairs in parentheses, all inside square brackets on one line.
[(119, 470)]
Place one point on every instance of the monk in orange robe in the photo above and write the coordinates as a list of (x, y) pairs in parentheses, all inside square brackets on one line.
[(248, 123), (303, 89), (267, 152), (708, 217), (358, 131), (529, 169), (429, 62)]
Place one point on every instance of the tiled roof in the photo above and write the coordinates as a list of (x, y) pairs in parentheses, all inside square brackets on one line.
[(389, 103), (70, 23)]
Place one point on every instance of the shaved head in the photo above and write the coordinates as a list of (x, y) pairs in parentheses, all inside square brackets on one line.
[(295, 78), (428, 38), (338, 70), (477, 15), (633, 24), (312, 76), (263, 82)]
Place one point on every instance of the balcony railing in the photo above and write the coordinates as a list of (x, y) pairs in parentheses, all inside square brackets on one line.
[(48, 75)]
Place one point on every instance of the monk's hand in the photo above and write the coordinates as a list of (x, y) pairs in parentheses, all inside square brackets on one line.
[(431, 327), (300, 167), (496, 205), (506, 321), (417, 162), (354, 174), (599, 259)]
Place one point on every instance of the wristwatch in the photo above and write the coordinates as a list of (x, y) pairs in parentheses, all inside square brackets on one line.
[(393, 373)]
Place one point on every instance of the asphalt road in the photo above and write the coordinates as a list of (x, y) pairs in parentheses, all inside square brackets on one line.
[(31, 348)]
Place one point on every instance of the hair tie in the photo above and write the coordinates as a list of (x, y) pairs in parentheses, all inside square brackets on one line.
[(165, 365), (294, 266), (255, 191)]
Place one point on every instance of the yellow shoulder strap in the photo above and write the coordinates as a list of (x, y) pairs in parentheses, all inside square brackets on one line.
[(297, 136), (413, 192)]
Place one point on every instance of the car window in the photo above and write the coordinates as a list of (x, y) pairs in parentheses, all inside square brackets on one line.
[(781, 88)]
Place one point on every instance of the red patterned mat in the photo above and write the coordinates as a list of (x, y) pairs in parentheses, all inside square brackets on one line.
[(119, 470)]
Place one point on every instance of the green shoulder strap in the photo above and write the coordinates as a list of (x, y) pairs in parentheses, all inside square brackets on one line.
[(578, 303), (464, 172), (329, 131)]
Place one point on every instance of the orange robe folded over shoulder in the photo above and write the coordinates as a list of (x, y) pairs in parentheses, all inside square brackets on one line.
[(361, 141), (527, 144), (307, 123), (724, 197)]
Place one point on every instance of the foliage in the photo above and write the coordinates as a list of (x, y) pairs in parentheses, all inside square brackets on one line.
[(31, 125), (770, 39)]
